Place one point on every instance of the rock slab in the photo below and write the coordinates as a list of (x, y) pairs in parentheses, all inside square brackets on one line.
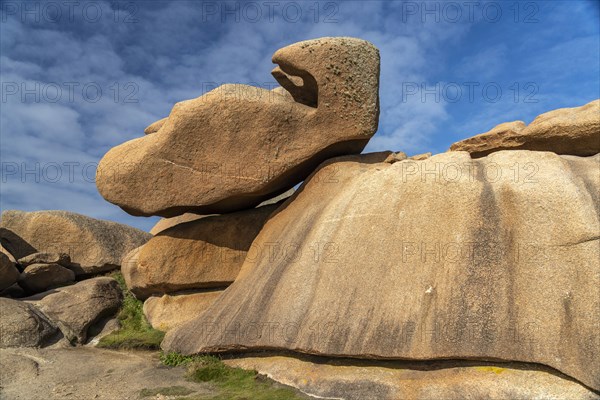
[(388, 380), (204, 253), (445, 258)]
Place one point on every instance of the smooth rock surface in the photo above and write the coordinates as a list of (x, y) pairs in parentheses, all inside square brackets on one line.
[(9, 274), (389, 380), (77, 307), (397, 261), (574, 131), (238, 145), (39, 277), (205, 253), (22, 325), (94, 245), (169, 311)]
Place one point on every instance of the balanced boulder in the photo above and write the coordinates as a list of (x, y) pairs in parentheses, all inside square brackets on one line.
[(39, 277), (169, 311), (93, 245), (238, 145), (22, 325), (205, 253), (445, 258), (574, 131)]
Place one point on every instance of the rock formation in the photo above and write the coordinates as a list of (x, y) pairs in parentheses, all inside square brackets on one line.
[(204, 253), (39, 277), (450, 257), (93, 245), (238, 145), (23, 325), (574, 131), (468, 274), (75, 308)]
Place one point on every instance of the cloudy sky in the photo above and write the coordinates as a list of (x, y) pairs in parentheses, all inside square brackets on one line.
[(81, 77)]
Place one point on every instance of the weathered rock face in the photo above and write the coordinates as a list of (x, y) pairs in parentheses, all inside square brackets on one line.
[(443, 258), (75, 308), (574, 131), (9, 274), (93, 245), (22, 325), (46, 258), (238, 145), (392, 380), (39, 277), (205, 253), (169, 311)]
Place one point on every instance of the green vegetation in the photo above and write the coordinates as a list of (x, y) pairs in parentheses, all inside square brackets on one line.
[(231, 383), (166, 391), (135, 332)]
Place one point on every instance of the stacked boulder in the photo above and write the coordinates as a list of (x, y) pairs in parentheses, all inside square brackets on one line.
[(486, 255), (49, 266)]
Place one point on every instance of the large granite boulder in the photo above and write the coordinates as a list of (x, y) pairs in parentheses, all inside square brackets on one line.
[(445, 258), (75, 308), (168, 311), (574, 131), (93, 245), (204, 253), (238, 145), (39, 277), (9, 274), (22, 325)]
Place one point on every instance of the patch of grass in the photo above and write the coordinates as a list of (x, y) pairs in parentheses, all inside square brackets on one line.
[(166, 391), (231, 383), (135, 332), (174, 359)]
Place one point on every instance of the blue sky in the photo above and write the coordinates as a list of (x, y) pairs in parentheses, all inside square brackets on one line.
[(81, 77)]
